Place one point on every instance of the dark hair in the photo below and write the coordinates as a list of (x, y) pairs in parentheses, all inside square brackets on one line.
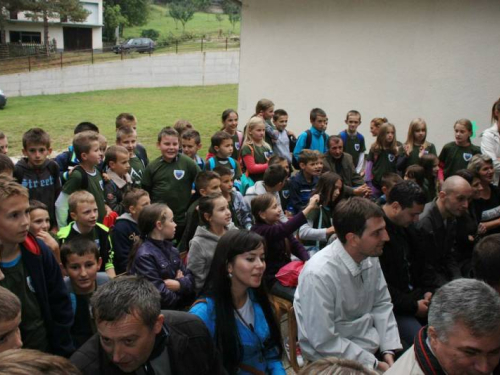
[(223, 171), (306, 156), (2, 135), (261, 203), (182, 125), (219, 137), (334, 138), (167, 132), (192, 134), (6, 163), (226, 114), (37, 205), (416, 172), (147, 223), (315, 112), (131, 197), (218, 287), (82, 142), (389, 179), (34, 362), (427, 162), (275, 159), (274, 175), (466, 124), (353, 112), (467, 175), (127, 295), (407, 193), (496, 107), (206, 206), (278, 113), (325, 188), (262, 105), (351, 215), (123, 131), (203, 179), (79, 246), (84, 127), (125, 119), (486, 260), (36, 136), (112, 152)]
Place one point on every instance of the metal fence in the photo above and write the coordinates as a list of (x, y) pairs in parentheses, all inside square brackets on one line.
[(60, 60)]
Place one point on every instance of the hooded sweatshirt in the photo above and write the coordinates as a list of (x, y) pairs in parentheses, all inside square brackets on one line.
[(201, 252), (42, 183), (123, 236)]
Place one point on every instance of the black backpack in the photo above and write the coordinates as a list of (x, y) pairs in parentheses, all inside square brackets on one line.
[(295, 162)]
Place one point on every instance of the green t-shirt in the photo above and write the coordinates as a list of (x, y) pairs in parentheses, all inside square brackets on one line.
[(414, 157), (354, 147), (17, 280), (171, 183), (456, 157), (261, 155), (137, 169), (383, 162), (95, 187)]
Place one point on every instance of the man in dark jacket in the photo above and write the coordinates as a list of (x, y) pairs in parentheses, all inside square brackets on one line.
[(436, 232), (135, 337), (400, 265), (336, 160)]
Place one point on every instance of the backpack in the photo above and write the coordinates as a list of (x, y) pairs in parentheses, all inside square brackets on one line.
[(295, 162), (211, 163)]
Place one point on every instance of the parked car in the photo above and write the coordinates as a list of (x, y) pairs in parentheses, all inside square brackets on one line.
[(3, 100), (140, 45)]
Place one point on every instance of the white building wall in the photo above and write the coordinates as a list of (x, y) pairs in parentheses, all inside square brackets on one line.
[(189, 69), (436, 59)]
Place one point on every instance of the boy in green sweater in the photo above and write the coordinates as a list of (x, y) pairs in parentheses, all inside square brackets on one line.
[(169, 178)]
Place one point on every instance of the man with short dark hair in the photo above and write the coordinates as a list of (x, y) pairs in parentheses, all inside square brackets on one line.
[(436, 232), (405, 203), (486, 261), (134, 336), (340, 162), (463, 334), (342, 304)]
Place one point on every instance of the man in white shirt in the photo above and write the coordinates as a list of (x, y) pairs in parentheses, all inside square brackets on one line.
[(342, 304)]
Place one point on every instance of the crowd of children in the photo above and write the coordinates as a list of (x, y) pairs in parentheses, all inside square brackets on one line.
[(97, 211)]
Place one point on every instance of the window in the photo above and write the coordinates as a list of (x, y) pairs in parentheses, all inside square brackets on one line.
[(25, 37)]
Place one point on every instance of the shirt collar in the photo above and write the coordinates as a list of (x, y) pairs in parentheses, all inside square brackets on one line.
[(354, 268)]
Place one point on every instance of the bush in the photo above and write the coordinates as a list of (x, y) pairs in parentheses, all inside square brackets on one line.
[(151, 34)]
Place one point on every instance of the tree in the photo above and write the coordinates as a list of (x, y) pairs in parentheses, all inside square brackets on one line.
[(134, 12), (233, 11), (9, 5), (182, 11), (70, 10), (113, 18), (202, 5)]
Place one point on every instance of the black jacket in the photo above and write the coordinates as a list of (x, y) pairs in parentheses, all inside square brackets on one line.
[(399, 275), (190, 349), (436, 239)]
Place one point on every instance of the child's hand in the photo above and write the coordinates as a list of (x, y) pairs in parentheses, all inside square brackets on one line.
[(313, 201), (407, 149), (290, 133), (108, 210), (111, 273), (330, 231), (105, 177), (179, 274), (172, 285), (48, 240), (421, 152)]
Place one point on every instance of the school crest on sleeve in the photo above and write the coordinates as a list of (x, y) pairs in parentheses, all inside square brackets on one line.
[(467, 156), (237, 145), (285, 193), (268, 154), (357, 147), (391, 157), (178, 174)]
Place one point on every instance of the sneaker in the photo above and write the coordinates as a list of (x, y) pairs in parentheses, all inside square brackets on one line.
[(298, 353)]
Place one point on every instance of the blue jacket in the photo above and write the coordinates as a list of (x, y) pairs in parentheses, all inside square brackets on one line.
[(123, 236), (51, 293), (251, 341), (300, 192), (317, 142), (159, 260)]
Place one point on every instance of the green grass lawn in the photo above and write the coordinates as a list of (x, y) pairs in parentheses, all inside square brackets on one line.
[(202, 23), (154, 108)]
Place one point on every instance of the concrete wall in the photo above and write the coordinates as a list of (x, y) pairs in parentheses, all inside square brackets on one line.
[(436, 59), (189, 69)]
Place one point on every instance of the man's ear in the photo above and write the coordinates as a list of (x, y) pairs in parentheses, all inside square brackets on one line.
[(442, 194), (203, 192), (396, 207), (384, 190), (349, 237), (158, 324)]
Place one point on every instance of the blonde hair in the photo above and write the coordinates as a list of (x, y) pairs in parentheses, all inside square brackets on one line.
[(335, 366), (80, 196), (251, 124), (9, 188), (380, 143), (411, 133), (34, 362)]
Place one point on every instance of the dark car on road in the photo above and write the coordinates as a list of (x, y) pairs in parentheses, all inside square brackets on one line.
[(140, 45), (3, 99)]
